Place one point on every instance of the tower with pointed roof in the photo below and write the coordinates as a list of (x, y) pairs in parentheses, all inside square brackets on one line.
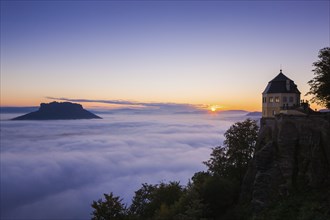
[(280, 93)]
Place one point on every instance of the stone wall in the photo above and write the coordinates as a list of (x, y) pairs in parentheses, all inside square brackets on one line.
[(278, 102)]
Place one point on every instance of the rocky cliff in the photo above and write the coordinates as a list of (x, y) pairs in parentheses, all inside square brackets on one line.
[(57, 111), (292, 155)]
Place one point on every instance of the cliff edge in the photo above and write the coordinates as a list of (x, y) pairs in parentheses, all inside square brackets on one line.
[(292, 156), (58, 111)]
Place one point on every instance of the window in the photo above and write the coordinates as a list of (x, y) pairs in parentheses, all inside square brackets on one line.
[(285, 99), (264, 99), (290, 99), (274, 112), (271, 99), (277, 99)]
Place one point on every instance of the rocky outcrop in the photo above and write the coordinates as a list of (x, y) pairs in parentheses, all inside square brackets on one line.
[(292, 154), (57, 111)]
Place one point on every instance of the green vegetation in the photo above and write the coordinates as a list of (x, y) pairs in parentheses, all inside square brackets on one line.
[(320, 84), (231, 160), (312, 205), (210, 195), (111, 208), (155, 201)]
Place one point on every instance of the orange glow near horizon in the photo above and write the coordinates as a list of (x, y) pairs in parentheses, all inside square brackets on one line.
[(229, 105), (251, 105)]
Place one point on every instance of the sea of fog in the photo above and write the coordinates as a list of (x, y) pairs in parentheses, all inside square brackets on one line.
[(55, 169)]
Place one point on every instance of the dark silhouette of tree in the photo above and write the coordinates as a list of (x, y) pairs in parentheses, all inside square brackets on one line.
[(155, 201), (231, 160), (191, 205), (218, 163), (141, 201), (217, 193), (110, 209), (320, 84)]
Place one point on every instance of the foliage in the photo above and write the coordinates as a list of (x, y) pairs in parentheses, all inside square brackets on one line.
[(232, 159), (110, 209), (217, 193), (155, 201), (312, 205), (141, 202), (218, 163), (320, 84)]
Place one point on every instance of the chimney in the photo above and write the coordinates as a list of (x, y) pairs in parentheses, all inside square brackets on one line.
[(288, 85)]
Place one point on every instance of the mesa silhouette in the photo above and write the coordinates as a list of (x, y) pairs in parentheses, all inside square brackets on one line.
[(58, 111)]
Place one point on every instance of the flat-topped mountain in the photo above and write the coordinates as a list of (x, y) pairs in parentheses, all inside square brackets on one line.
[(58, 111)]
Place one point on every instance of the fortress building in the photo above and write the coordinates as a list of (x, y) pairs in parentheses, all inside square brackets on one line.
[(280, 93)]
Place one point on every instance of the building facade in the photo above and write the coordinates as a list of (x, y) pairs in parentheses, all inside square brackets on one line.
[(281, 93)]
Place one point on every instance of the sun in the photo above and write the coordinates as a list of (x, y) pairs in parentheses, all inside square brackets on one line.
[(214, 108)]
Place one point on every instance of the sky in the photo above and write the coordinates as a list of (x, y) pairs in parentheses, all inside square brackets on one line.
[(55, 169), (193, 52)]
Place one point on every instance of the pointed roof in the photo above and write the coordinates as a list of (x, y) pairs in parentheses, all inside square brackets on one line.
[(280, 77), (281, 84)]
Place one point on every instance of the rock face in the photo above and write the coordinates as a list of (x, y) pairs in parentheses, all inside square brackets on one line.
[(292, 154), (57, 111)]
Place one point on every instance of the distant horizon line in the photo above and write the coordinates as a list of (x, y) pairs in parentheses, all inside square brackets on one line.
[(102, 108), (130, 104)]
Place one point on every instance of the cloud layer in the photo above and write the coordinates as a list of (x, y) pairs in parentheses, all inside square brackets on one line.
[(55, 169), (154, 107)]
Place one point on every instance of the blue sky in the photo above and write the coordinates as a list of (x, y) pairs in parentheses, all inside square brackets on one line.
[(199, 52)]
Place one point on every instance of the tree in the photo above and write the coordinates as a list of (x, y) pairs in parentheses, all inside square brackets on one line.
[(231, 160), (191, 205), (140, 206), (155, 201), (240, 141), (218, 162), (320, 84), (110, 209)]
